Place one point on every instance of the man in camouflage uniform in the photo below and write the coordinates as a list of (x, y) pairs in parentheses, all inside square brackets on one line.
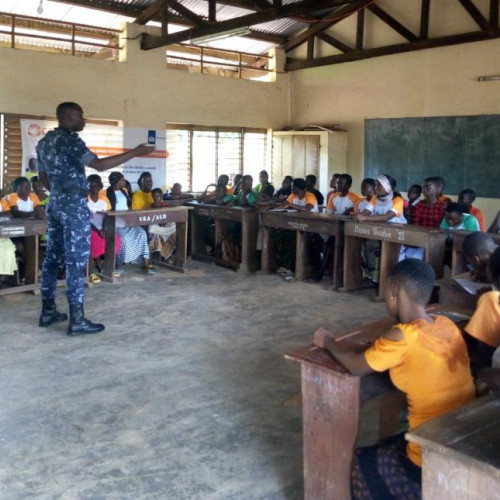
[(62, 157)]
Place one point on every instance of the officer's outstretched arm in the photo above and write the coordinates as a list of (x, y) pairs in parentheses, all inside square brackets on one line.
[(101, 164)]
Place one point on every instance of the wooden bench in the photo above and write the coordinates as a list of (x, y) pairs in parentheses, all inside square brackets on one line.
[(391, 236), (332, 400), (246, 216), (461, 452), (179, 215), (303, 223), (30, 230)]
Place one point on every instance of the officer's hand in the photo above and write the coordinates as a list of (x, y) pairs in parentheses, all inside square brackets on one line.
[(143, 149)]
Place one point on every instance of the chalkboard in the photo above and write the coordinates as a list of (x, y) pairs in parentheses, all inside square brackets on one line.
[(464, 150)]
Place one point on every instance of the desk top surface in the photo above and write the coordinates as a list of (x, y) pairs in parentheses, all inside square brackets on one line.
[(213, 206), (365, 335), (306, 215), (149, 211), (471, 432), (393, 225), (22, 227)]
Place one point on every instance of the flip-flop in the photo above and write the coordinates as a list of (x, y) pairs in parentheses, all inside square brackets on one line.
[(94, 279)]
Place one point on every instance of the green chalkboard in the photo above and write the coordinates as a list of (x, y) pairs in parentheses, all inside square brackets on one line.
[(464, 150)]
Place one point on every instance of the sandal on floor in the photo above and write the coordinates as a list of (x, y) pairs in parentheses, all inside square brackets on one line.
[(94, 279)]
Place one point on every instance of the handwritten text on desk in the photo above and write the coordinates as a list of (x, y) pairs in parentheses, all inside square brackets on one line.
[(379, 233)]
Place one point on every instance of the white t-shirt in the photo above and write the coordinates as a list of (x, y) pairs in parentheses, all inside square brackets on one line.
[(100, 205), (121, 201)]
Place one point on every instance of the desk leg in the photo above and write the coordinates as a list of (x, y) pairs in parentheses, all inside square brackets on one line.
[(301, 256), (195, 234), (338, 258), (218, 238), (434, 255), (389, 257), (181, 233), (31, 258), (249, 231), (330, 426), (109, 263), (353, 276), (268, 263)]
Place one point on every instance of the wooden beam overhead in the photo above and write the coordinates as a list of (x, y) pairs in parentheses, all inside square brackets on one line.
[(164, 18), (474, 12), (392, 22), (149, 13), (310, 48), (151, 41), (188, 14), (334, 42), (358, 55), (212, 11), (494, 4), (123, 9), (424, 19), (328, 21), (360, 29)]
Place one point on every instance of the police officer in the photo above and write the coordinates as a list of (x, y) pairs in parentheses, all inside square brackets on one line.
[(62, 157)]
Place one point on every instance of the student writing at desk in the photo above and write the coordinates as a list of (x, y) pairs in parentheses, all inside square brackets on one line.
[(477, 249), (427, 360), (300, 199)]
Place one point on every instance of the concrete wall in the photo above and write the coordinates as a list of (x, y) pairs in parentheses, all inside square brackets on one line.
[(141, 91), (435, 82)]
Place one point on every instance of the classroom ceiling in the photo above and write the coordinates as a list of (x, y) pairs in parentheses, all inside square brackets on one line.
[(302, 27)]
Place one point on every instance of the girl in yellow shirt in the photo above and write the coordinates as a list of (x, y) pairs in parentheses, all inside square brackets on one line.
[(427, 359)]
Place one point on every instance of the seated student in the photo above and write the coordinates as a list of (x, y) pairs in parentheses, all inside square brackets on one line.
[(286, 189), (176, 194), (134, 241), (247, 197), (300, 199), (237, 184), (22, 202), (263, 182), (157, 195), (441, 185), (221, 196), (477, 248), (455, 218), (342, 202), (8, 263), (333, 186), (483, 329), (311, 188), (466, 198), (161, 236), (39, 189), (143, 199), (414, 193), (430, 211), (387, 207), (266, 197), (368, 195), (427, 360), (98, 202), (495, 225)]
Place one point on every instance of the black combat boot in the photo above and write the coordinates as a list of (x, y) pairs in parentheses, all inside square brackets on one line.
[(50, 314), (79, 324)]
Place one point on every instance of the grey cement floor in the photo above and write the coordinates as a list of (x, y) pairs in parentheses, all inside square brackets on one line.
[(185, 395)]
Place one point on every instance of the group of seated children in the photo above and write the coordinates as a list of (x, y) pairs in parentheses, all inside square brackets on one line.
[(429, 359)]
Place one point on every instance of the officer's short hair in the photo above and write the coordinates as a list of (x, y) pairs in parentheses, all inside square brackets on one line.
[(66, 106)]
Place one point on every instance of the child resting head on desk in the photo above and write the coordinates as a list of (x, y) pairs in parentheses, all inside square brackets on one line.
[(477, 249), (482, 333), (427, 360), (455, 218)]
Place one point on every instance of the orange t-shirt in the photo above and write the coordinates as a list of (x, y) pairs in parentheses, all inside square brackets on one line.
[(309, 199), (4, 205), (338, 204), (430, 365), (23, 206), (485, 322), (479, 216)]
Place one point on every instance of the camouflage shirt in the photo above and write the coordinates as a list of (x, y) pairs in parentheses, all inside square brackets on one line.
[(63, 155)]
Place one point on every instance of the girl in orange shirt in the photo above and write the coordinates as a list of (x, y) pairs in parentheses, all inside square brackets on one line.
[(427, 359)]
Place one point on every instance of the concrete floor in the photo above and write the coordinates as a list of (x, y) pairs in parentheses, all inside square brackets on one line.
[(185, 395)]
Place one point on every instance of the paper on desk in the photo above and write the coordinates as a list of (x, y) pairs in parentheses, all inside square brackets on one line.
[(471, 286)]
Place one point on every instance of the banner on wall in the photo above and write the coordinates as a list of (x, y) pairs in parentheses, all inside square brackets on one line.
[(106, 140)]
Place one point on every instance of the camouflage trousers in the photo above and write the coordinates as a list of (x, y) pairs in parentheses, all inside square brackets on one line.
[(69, 244)]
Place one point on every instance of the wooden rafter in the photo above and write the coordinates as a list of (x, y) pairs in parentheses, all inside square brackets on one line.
[(334, 42), (360, 29), (494, 8), (474, 12), (392, 22), (424, 19), (151, 41), (188, 14), (358, 55)]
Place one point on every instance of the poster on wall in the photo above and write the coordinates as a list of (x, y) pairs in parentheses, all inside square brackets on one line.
[(106, 140)]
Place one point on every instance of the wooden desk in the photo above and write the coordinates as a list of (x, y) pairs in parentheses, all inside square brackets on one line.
[(303, 223), (461, 452), (179, 215), (246, 216), (392, 236), (458, 262), (451, 293), (331, 404)]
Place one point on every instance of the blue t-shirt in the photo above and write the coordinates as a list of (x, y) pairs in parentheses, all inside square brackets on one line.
[(63, 155)]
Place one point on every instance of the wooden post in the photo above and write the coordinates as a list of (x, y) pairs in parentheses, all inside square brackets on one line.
[(181, 231), (109, 264)]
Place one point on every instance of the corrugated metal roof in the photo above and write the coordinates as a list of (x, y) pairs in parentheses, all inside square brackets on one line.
[(76, 14)]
